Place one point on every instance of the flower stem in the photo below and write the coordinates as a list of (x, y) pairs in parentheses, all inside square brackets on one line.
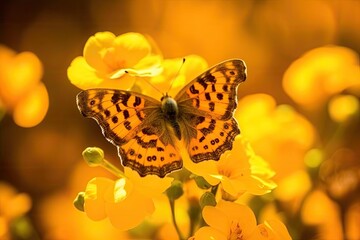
[(111, 168), (172, 206)]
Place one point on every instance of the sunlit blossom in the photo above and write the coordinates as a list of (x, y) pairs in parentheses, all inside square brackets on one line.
[(228, 220), (21, 91), (278, 133), (238, 171), (320, 211), (290, 195), (111, 61), (321, 73), (126, 201)]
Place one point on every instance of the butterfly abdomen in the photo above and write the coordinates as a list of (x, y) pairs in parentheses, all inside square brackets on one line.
[(170, 111)]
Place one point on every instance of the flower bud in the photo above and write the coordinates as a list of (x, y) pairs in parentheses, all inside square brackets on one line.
[(94, 156), (175, 190), (201, 182), (207, 199), (228, 197), (79, 201)]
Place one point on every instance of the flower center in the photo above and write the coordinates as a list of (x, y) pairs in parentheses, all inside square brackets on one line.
[(225, 172), (235, 232)]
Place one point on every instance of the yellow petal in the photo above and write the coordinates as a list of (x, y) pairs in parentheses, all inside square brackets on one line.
[(130, 48), (94, 205), (150, 185), (130, 212), (216, 218), (32, 108), (208, 233), (241, 213), (206, 169), (82, 75), (274, 230), (96, 48)]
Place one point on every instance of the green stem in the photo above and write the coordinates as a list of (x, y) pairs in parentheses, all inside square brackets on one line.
[(214, 190), (111, 168), (172, 206)]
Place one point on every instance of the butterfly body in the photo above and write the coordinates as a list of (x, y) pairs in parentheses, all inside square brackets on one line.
[(170, 112), (146, 130)]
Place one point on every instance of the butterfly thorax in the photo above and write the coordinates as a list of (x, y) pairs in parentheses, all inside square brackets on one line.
[(170, 112)]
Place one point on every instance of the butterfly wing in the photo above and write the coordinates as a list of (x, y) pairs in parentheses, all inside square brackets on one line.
[(206, 107), (133, 123)]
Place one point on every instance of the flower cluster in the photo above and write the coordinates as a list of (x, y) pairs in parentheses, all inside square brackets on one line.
[(209, 192)]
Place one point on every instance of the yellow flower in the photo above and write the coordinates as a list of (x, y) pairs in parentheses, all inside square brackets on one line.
[(239, 170), (21, 91), (275, 132), (107, 58), (321, 73), (13, 206), (177, 73), (321, 211), (228, 220), (273, 230), (126, 201)]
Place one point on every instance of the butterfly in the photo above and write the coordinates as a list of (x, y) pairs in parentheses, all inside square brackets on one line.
[(146, 130)]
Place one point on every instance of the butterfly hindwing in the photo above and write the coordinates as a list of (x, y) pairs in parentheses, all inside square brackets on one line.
[(210, 100), (147, 154), (214, 137), (131, 121)]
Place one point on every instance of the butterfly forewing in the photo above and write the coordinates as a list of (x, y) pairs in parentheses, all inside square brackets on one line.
[(213, 93), (131, 122), (211, 100)]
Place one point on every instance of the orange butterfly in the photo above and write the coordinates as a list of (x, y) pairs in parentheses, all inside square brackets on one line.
[(145, 130)]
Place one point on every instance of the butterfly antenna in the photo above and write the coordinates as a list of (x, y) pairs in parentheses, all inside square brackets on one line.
[(177, 74), (153, 86)]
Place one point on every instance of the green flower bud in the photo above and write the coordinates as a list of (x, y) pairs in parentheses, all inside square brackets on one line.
[(175, 190), (207, 199), (200, 182), (94, 156), (79, 201)]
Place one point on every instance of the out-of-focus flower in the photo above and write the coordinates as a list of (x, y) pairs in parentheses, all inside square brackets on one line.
[(126, 201), (228, 220), (13, 206), (293, 196), (21, 91), (343, 107), (321, 73), (111, 61), (238, 171), (75, 225), (277, 133), (318, 210)]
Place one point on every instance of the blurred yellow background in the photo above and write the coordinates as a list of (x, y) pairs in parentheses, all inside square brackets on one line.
[(299, 106)]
